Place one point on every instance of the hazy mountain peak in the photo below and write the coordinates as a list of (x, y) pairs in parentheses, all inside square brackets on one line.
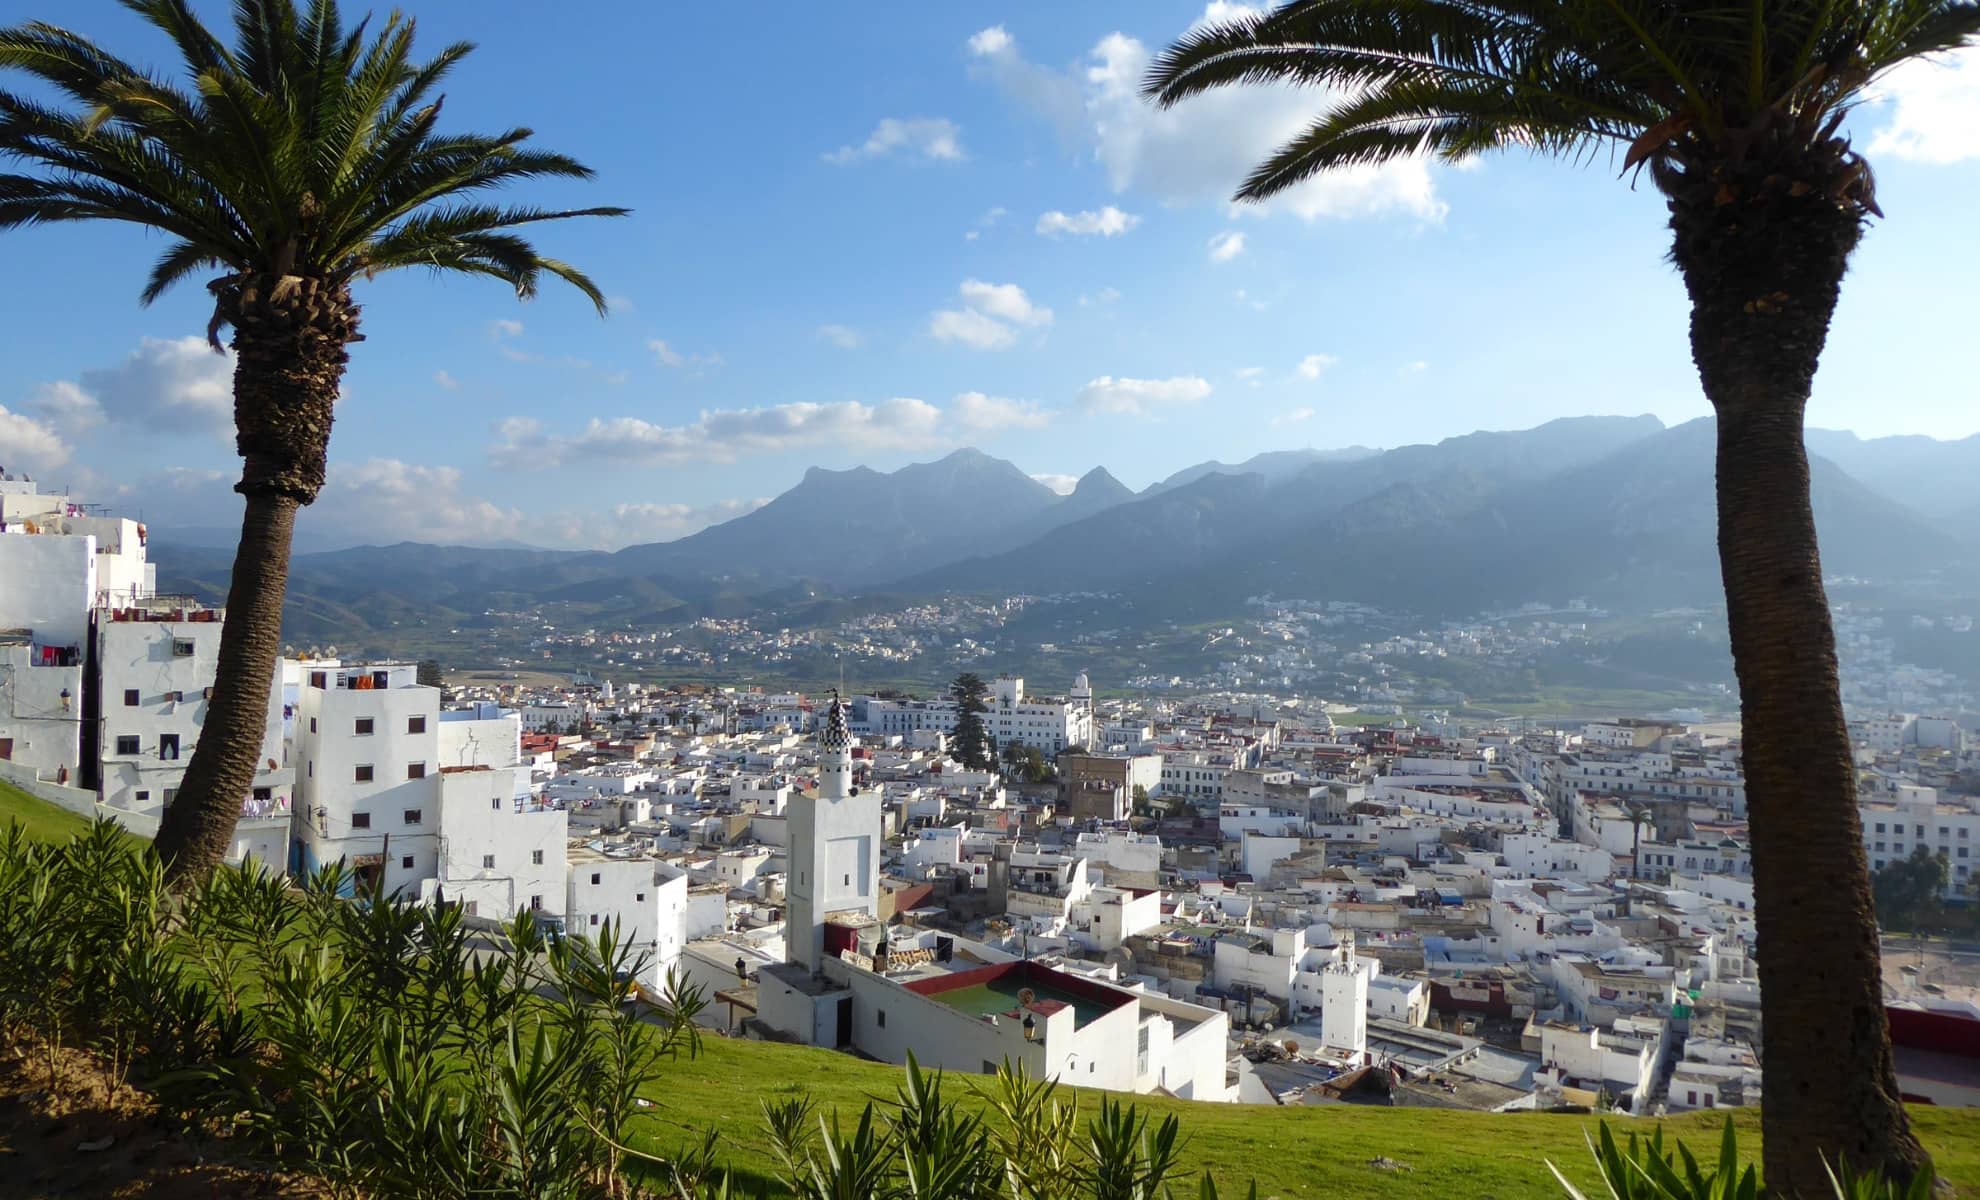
[(1099, 483)]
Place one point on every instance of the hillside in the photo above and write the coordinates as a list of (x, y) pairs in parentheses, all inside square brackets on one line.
[(1288, 1152)]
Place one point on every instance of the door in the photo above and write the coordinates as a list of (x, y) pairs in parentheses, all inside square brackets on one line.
[(6, 749), (845, 1023)]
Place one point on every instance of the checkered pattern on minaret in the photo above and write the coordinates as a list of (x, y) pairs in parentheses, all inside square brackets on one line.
[(836, 736)]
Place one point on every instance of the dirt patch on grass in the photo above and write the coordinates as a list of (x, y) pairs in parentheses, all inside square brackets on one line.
[(88, 1136)]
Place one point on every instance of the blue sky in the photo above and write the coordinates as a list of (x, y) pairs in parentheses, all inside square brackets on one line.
[(872, 241)]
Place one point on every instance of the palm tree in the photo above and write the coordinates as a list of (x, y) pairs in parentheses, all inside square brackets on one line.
[(1639, 816), (1735, 112), (292, 164)]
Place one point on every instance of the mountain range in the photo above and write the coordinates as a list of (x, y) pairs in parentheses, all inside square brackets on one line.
[(1618, 510)]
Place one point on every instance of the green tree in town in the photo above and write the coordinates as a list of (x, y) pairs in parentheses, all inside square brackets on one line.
[(970, 743), (1735, 113), (301, 159), (1910, 891)]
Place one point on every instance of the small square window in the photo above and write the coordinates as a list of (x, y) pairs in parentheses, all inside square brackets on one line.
[(364, 773), (182, 648), (416, 724), (415, 770), (639, 897), (360, 820), (130, 697), (488, 862), (143, 796), (407, 862), (495, 802), (127, 745), (595, 879), (594, 918), (536, 904), (264, 793), (364, 725), (412, 816), (536, 858)]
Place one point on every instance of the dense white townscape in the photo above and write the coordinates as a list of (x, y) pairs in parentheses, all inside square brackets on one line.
[(1218, 896)]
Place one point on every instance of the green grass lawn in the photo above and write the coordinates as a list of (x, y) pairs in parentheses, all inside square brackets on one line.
[(1289, 1152), (44, 821)]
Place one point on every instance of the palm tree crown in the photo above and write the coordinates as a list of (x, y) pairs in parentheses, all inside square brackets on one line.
[(305, 150), (1677, 82)]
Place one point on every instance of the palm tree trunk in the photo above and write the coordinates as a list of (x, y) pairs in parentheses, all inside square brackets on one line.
[(1763, 246), (199, 824), (290, 342)]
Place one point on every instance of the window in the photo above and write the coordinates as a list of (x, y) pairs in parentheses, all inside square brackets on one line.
[(880, 1017), (1880, 845), (639, 897), (407, 862), (182, 648), (416, 724), (127, 745), (1880, 829), (536, 858), (536, 904), (1962, 852), (412, 816), (130, 697), (415, 770), (168, 746), (360, 820), (495, 802), (364, 773), (595, 879), (312, 724), (594, 918), (364, 726), (143, 796), (311, 767), (488, 862), (264, 793)]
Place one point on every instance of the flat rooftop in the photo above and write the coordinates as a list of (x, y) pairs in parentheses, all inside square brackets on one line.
[(994, 991)]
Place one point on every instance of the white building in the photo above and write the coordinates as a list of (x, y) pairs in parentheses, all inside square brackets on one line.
[(1944, 824), (1049, 725), (835, 847), (645, 897)]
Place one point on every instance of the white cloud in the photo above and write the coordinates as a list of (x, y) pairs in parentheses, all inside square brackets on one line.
[(446, 380), (986, 221), (1250, 375), (1141, 397), (936, 138), (504, 327), (986, 323), (26, 443), (1062, 484), (1312, 365), (630, 524), (976, 412), (67, 407), (1108, 222), (1934, 109), (1199, 151), (169, 385), (670, 357), (990, 42), (1413, 368), (1243, 297), (972, 329), (1105, 295), (1004, 300), (1226, 246), (1293, 417), (845, 337), (728, 435)]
